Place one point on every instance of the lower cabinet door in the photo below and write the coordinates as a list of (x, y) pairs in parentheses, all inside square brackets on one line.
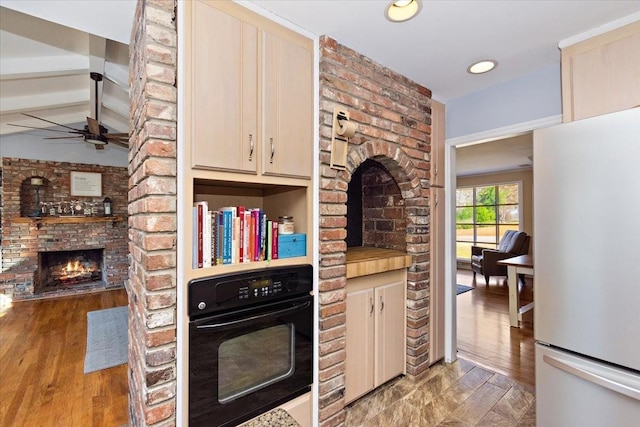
[(390, 332), (360, 343), (375, 336)]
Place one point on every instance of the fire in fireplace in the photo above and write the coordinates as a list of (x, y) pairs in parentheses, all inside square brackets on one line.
[(59, 269)]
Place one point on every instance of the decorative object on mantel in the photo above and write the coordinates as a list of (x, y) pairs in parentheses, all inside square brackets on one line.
[(37, 182), (68, 208), (107, 207)]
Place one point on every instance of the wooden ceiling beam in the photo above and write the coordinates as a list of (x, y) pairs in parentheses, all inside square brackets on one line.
[(43, 66)]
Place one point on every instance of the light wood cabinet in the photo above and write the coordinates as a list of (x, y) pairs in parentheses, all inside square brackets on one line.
[(375, 342), (224, 88), (436, 239), (242, 77), (300, 409), (288, 107), (437, 273), (601, 75), (437, 143), (251, 93), (248, 122)]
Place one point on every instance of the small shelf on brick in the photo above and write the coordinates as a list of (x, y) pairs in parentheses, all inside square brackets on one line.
[(67, 219)]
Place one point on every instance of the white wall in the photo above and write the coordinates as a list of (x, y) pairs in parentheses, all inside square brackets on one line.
[(532, 97), (109, 19)]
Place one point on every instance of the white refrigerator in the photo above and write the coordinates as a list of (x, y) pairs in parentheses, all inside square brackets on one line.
[(586, 234)]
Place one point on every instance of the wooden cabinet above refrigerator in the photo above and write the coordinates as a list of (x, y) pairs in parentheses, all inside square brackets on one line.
[(601, 75)]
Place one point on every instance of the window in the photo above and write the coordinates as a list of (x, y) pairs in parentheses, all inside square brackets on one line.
[(484, 213)]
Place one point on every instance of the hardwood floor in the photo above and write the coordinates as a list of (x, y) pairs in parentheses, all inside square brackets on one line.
[(484, 335), (42, 348)]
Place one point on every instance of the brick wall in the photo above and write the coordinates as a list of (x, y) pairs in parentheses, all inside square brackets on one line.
[(394, 127), (152, 220), (384, 223), (21, 241)]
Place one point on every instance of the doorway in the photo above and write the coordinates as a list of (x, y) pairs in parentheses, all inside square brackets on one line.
[(483, 300)]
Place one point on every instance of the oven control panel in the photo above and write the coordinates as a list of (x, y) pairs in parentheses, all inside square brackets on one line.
[(219, 293), (262, 288)]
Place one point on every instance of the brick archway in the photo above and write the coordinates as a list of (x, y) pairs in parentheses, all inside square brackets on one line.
[(393, 118), (332, 272)]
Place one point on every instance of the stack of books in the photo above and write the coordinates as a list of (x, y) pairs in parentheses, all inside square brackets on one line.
[(232, 235)]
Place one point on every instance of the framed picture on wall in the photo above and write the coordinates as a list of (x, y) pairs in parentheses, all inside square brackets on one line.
[(86, 184)]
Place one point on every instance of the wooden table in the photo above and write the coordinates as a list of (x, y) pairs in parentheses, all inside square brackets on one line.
[(522, 264)]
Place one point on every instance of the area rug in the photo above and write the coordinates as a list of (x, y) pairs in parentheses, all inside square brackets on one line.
[(106, 339), (461, 289)]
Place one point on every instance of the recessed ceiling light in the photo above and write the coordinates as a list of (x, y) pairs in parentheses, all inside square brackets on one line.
[(402, 10), (482, 66)]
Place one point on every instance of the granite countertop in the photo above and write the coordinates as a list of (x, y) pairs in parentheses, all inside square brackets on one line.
[(362, 261), (276, 418)]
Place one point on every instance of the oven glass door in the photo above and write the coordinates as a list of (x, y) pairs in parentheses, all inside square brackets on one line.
[(247, 362)]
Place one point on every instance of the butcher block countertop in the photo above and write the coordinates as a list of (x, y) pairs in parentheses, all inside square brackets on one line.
[(362, 261)]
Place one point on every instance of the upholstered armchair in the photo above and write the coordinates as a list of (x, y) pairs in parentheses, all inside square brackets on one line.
[(485, 261)]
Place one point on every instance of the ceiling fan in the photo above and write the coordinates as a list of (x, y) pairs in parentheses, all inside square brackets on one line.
[(93, 132)]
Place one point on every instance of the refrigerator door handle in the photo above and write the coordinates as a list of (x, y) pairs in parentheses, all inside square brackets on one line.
[(573, 369)]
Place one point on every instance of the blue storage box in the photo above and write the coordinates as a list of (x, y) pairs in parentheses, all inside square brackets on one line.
[(290, 245)]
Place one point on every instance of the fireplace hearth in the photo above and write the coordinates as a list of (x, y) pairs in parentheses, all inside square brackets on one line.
[(63, 269)]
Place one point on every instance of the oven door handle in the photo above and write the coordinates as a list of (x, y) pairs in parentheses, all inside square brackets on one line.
[(298, 307)]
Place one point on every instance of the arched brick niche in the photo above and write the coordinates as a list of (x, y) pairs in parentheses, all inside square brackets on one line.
[(393, 118)]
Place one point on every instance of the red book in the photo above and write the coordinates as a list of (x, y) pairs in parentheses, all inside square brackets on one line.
[(255, 235), (199, 227)]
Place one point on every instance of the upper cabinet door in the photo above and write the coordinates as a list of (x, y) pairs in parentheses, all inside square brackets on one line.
[(224, 91), (601, 75), (287, 140), (437, 143)]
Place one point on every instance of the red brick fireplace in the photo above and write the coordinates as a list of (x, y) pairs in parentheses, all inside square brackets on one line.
[(63, 270), (50, 256)]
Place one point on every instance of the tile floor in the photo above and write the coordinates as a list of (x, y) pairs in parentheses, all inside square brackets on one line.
[(457, 394)]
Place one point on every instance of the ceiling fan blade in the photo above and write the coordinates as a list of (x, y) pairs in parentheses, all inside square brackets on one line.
[(119, 143), (99, 147), (49, 121), (94, 126), (48, 129), (115, 135), (63, 137)]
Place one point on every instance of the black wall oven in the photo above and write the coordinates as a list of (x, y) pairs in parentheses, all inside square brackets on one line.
[(250, 343)]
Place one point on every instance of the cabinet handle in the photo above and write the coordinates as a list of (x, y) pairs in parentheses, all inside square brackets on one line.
[(436, 199), (381, 304), (372, 307), (273, 150), (250, 147), (436, 174)]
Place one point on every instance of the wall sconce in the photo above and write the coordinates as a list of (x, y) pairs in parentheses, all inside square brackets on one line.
[(37, 183), (342, 130)]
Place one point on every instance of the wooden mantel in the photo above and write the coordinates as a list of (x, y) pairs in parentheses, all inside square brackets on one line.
[(66, 219)]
